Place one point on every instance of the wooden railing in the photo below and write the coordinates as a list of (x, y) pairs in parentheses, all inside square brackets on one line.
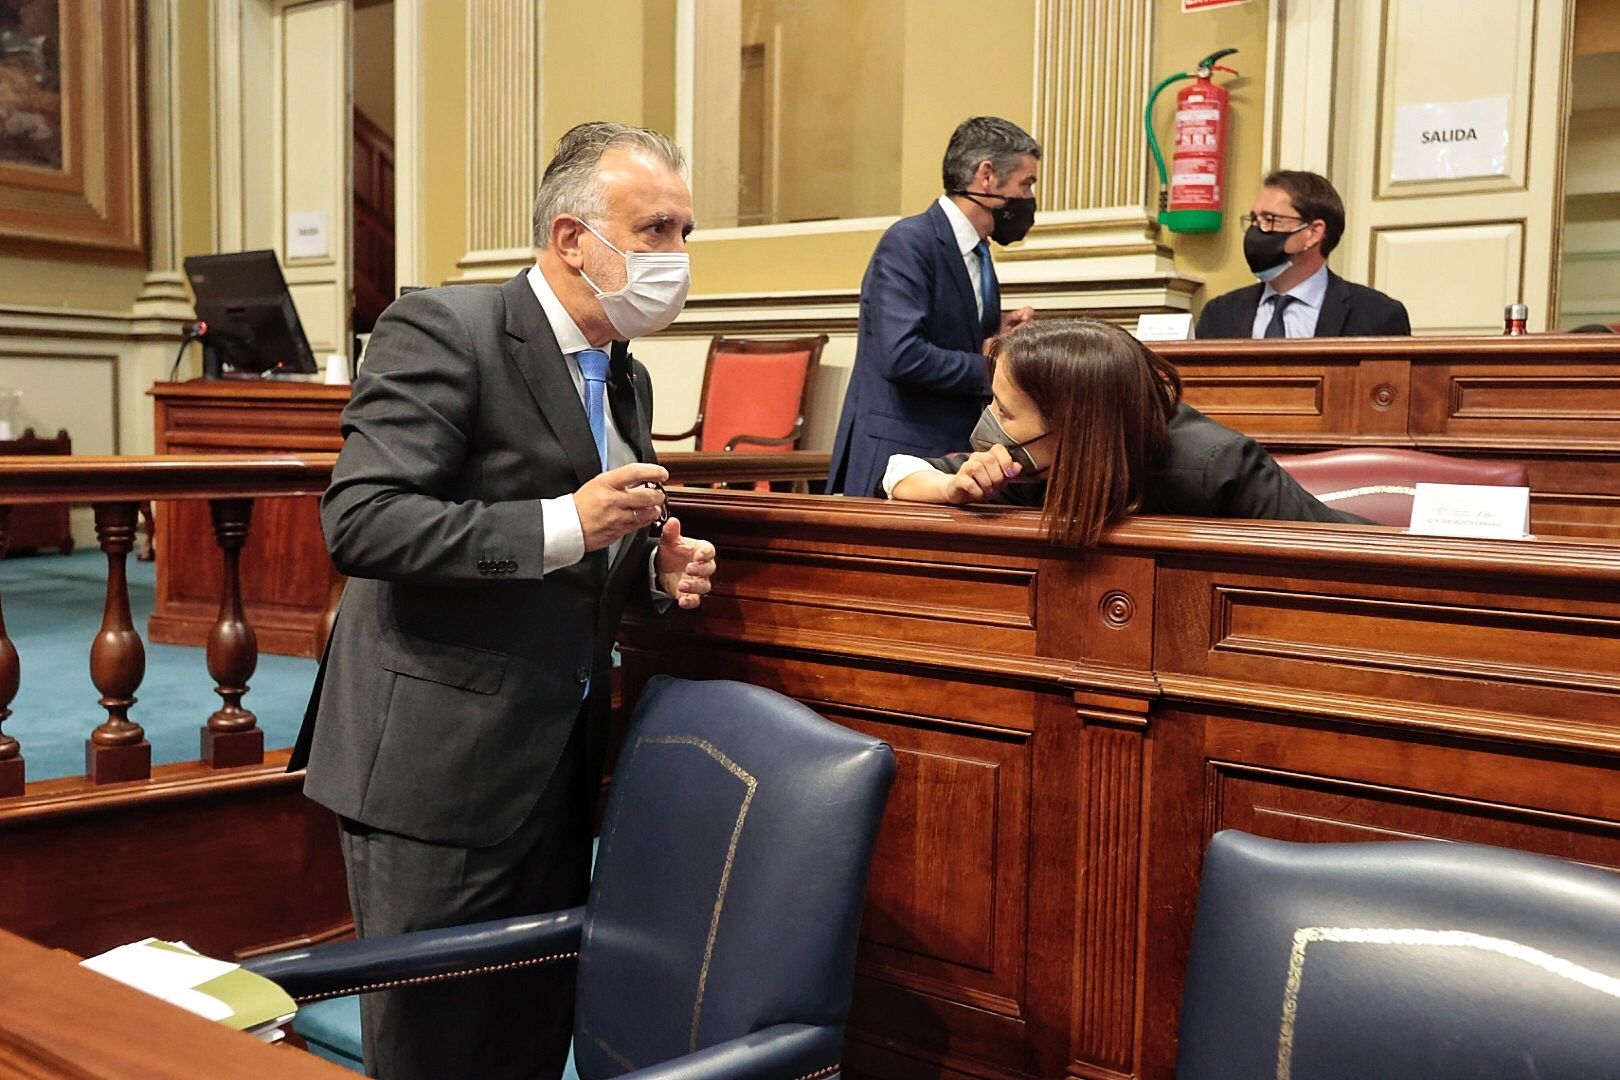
[(116, 487)]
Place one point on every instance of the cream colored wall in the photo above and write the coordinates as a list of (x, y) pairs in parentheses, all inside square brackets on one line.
[(1590, 289), (839, 113), (1183, 40), (443, 183), (1456, 252), (312, 142)]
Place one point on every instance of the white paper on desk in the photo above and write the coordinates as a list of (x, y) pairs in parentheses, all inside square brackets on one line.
[(1164, 326), (165, 974), (1477, 510)]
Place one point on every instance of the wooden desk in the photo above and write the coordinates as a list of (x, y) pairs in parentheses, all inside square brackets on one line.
[(287, 576), (1551, 401), (1071, 728), (60, 1020)]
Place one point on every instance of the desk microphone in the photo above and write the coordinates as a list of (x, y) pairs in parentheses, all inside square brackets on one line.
[(189, 332)]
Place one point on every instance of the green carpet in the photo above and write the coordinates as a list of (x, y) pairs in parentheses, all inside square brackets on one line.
[(52, 607)]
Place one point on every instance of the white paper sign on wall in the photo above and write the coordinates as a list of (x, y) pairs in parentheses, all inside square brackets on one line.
[(306, 234), (1451, 140), (1471, 510)]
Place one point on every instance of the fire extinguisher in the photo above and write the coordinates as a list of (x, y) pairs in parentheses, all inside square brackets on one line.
[(1191, 193)]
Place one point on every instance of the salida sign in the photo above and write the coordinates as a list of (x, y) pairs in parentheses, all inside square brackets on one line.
[(1451, 140)]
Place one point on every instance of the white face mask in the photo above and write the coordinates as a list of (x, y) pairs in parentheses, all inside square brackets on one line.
[(655, 288)]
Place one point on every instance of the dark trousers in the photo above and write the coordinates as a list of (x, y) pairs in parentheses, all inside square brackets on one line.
[(510, 1024)]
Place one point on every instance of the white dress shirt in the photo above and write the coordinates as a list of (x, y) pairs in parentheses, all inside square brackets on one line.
[(968, 240), (564, 535), (1299, 318)]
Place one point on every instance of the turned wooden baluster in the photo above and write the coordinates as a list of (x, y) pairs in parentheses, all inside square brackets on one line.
[(11, 760), (232, 735), (117, 749)]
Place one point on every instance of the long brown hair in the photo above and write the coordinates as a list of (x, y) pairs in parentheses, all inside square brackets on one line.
[(1107, 400)]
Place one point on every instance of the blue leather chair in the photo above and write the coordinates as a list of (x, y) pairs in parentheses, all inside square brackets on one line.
[(719, 937), (1419, 960)]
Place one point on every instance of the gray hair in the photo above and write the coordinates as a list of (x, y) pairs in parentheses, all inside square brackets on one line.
[(567, 188), (985, 138)]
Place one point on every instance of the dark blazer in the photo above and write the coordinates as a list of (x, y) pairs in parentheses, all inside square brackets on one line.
[(455, 672), (919, 380), (1209, 470), (1348, 310)]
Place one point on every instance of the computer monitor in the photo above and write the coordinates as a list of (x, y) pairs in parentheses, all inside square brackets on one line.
[(252, 326)]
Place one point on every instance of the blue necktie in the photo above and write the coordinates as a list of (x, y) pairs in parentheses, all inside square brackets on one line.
[(986, 277), (1279, 302), (593, 365)]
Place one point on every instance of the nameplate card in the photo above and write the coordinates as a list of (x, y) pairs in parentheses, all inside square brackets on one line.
[(1501, 513), (1172, 326)]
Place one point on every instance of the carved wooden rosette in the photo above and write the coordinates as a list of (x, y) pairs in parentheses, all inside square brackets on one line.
[(232, 735), (117, 749)]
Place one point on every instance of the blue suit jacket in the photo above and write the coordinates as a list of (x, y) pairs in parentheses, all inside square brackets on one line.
[(919, 380)]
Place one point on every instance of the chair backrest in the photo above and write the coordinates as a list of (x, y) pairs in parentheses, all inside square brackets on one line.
[(756, 388), (1379, 482), (1403, 960), (730, 876)]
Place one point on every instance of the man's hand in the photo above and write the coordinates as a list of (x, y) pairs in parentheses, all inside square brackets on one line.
[(684, 565), (1012, 320), (982, 476), (614, 504)]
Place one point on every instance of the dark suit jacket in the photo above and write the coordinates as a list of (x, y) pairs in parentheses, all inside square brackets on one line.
[(455, 672), (1209, 470), (1348, 310), (919, 380)]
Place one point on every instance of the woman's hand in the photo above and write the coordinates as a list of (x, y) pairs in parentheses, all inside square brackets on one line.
[(981, 477)]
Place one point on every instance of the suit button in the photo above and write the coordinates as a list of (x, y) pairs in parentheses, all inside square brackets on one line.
[(483, 566), (582, 675), (510, 566)]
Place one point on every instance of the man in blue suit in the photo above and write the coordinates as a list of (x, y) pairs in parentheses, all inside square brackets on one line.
[(929, 302)]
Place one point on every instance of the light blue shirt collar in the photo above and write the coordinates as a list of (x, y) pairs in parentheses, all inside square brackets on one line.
[(1310, 292)]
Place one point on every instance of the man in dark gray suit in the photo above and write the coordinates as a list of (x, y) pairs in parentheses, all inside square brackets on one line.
[(491, 506), (1296, 222)]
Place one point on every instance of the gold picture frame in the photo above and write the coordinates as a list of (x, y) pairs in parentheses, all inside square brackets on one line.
[(69, 132)]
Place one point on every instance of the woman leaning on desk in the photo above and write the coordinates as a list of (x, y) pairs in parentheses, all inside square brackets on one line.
[(1088, 423)]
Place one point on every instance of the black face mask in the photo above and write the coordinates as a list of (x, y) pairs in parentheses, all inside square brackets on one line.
[(1266, 252), (1012, 218)]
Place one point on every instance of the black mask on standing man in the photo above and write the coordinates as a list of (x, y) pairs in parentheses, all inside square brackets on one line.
[(1012, 218)]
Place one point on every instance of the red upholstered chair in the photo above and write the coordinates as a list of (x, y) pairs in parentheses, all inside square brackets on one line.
[(753, 394), (1378, 482)]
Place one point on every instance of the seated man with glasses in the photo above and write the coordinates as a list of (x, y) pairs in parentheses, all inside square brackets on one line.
[(1296, 222)]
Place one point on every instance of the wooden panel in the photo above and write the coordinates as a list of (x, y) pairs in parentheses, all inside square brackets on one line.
[(1033, 893), (230, 862), (1482, 266)]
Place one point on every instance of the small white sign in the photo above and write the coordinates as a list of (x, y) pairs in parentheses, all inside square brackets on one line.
[(1451, 140), (1501, 513), (1164, 326), (306, 234)]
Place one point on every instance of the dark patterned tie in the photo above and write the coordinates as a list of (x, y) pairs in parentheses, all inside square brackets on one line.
[(1279, 303)]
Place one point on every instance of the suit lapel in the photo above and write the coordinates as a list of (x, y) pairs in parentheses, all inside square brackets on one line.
[(636, 430), (951, 256), (540, 361), (1249, 307), (1335, 308), (626, 405)]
